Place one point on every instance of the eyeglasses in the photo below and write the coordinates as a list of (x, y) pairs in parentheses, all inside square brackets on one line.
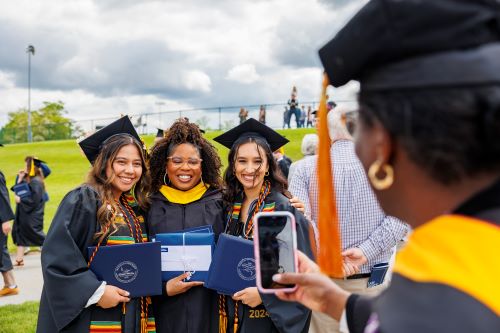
[(177, 162)]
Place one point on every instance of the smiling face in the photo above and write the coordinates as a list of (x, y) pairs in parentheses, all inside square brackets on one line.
[(125, 170), (250, 166), (184, 167)]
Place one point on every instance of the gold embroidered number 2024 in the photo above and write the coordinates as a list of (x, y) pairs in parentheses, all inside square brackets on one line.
[(258, 314)]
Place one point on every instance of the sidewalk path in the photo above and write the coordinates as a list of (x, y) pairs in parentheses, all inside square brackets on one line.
[(28, 278)]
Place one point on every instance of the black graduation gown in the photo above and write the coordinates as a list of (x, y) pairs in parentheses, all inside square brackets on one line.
[(68, 283), (195, 310), (6, 214), (273, 315), (28, 225), (444, 280)]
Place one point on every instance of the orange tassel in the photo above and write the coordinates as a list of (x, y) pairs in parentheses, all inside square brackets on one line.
[(329, 254)]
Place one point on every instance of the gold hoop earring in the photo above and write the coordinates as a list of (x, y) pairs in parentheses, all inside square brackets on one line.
[(377, 183), (165, 179), (267, 173)]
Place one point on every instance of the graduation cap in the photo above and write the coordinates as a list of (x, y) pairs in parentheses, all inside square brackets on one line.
[(393, 44), (42, 165), (160, 133), (92, 145), (255, 129)]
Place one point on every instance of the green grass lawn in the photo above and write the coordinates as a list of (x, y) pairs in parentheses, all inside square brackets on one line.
[(18, 318), (69, 166)]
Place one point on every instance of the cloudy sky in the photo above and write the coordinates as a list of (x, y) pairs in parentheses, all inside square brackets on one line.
[(106, 57)]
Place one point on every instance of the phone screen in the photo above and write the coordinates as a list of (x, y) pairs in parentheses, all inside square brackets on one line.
[(276, 249)]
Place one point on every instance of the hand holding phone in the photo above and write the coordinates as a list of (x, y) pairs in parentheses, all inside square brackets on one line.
[(275, 245)]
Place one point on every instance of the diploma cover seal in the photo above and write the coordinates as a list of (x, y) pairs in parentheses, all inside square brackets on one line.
[(126, 271), (246, 269)]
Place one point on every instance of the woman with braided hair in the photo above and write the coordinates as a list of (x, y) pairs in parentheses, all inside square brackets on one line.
[(253, 183), (186, 193), (101, 212)]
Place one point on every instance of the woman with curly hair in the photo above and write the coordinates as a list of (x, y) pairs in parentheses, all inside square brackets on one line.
[(186, 193), (98, 213), (254, 183)]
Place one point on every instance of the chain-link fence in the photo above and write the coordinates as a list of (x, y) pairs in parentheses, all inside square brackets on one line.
[(216, 118)]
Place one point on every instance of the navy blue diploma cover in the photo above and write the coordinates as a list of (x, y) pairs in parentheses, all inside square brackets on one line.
[(135, 268), (189, 251), (22, 190), (233, 265)]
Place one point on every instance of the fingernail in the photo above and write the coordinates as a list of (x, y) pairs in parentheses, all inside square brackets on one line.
[(276, 277), (236, 294), (127, 293)]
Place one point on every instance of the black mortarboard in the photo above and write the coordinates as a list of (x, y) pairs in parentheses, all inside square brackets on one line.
[(92, 145), (252, 128), (160, 133), (43, 166), (394, 44)]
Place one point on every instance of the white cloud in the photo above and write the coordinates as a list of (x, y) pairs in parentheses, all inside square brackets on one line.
[(244, 73), (106, 57), (6, 80), (196, 80)]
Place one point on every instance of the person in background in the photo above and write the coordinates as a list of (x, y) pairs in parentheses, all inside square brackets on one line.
[(28, 224), (283, 161), (243, 115), (310, 117), (302, 116), (6, 216), (430, 146), (101, 212), (293, 104), (286, 118), (186, 193), (262, 114), (253, 183), (368, 235), (308, 148)]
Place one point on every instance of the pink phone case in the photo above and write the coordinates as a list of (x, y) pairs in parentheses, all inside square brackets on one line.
[(257, 252)]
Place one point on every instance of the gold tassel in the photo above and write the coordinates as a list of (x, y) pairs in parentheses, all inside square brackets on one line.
[(144, 323), (222, 323), (32, 168), (235, 325)]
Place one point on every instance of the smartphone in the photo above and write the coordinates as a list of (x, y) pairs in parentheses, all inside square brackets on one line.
[(275, 246)]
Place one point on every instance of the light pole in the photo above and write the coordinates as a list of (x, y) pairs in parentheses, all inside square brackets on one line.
[(31, 51)]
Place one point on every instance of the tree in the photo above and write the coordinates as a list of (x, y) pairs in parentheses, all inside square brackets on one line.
[(48, 123)]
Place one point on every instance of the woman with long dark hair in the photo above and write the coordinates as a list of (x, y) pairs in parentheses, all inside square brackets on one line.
[(100, 212), (28, 224), (254, 183), (186, 193)]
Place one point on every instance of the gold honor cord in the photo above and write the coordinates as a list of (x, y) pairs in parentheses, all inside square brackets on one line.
[(329, 254)]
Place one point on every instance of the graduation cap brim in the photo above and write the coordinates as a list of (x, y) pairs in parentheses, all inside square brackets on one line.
[(91, 146), (386, 32), (38, 162), (252, 128)]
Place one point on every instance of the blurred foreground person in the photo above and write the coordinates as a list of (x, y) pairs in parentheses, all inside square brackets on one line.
[(429, 137)]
